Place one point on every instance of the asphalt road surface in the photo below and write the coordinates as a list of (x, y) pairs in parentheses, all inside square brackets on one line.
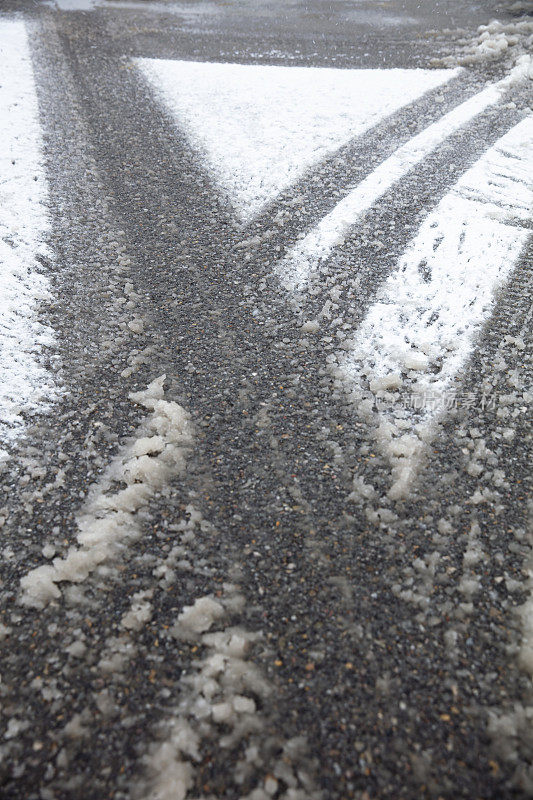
[(265, 400)]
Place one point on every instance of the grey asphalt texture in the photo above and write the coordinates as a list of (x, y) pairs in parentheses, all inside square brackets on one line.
[(387, 708)]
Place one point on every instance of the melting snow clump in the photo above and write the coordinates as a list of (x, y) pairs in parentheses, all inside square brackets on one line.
[(111, 517)]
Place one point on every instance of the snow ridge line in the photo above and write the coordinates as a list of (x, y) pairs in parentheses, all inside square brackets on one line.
[(305, 257), (422, 328), (112, 517), (219, 703), (25, 384)]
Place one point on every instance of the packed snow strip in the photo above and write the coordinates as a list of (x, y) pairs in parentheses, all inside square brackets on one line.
[(220, 702), (261, 127), (422, 328), (25, 385), (113, 516), (305, 257)]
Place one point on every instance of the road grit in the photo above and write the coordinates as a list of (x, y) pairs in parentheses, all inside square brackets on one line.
[(222, 699)]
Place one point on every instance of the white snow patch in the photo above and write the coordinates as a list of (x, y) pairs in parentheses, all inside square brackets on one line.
[(199, 617), (311, 326), (140, 611), (317, 245), (110, 518), (77, 649), (25, 384), (468, 246), (261, 127), (15, 727), (361, 491), (391, 381)]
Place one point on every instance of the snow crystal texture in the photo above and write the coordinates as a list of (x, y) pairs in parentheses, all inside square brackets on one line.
[(25, 384), (261, 127)]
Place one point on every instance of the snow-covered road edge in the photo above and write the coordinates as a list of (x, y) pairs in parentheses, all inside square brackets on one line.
[(25, 384)]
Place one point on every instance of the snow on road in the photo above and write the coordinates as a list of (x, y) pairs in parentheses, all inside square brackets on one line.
[(421, 330), (261, 127), (491, 41), (113, 516), (25, 384), (220, 698), (223, 699), (317, 245)]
